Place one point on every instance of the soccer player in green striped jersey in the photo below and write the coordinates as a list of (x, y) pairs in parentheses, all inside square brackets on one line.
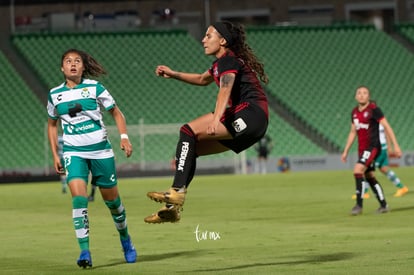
[(77, 104)]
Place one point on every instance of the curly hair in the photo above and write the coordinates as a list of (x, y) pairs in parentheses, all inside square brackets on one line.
[(92, 67), (240, 47)]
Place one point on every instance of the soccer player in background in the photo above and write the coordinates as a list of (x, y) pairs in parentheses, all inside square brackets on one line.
[(77, 104), (382, 163), (91, 196), (366, 118), (239, 120), (263, 148)]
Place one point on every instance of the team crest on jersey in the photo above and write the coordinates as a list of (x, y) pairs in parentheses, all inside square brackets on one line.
[(366, 114), (85, 92), (215, 72)]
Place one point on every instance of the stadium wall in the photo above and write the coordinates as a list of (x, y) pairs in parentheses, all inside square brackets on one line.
[(191, 12), (322, 163), (238, 164)]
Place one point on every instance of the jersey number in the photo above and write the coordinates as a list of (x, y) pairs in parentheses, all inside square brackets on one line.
[(365, 156)]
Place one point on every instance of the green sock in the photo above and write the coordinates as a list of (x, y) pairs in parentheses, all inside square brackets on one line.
[(119, 216), (81, 221), (395, 180)]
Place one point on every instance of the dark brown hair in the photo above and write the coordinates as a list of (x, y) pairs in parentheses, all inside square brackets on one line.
[(237, 43), (92, 67)]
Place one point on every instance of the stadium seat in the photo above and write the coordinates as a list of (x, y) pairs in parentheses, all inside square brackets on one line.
[(22, 138), (315, 72)]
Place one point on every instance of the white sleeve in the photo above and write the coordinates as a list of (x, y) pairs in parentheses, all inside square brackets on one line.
[(107, 101), (51, 110)]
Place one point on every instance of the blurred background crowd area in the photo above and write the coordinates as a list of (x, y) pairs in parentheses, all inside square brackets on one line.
[(194, 15), (315, 52)]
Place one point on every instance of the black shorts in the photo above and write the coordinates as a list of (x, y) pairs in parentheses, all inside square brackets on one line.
[(262, 153), (247, 123), (367, 158)]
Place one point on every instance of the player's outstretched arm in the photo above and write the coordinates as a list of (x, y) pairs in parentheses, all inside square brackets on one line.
[(191, 78)]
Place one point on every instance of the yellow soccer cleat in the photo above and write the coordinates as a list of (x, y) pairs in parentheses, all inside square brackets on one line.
[(401, 192), (165, 214), (171, 196), (366, 196)]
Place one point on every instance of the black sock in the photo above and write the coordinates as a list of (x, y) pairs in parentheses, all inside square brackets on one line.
[(359, 188), (185, 158), (93, 188), (377, 189)]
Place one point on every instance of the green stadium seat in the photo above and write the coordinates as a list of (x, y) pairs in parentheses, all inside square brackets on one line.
[(21, 139), (315, 71)]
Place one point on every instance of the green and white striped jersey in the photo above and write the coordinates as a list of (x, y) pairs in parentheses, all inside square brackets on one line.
[(383, 138), (80, 112)]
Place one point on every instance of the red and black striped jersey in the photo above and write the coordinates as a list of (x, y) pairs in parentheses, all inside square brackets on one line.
[(247, 87), (366, 124)]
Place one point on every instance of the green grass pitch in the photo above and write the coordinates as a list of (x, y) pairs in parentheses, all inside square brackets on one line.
[(293, 223)]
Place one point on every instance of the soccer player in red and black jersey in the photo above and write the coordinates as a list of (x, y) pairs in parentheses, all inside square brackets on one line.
[(366, 118), (240, 117)]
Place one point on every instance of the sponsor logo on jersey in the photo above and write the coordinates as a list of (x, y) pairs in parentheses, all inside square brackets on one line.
[(359, 125), (73, 129), (74, 109)]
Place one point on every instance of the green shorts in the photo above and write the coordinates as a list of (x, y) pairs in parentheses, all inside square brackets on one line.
[(382, 159), (103, 171)]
